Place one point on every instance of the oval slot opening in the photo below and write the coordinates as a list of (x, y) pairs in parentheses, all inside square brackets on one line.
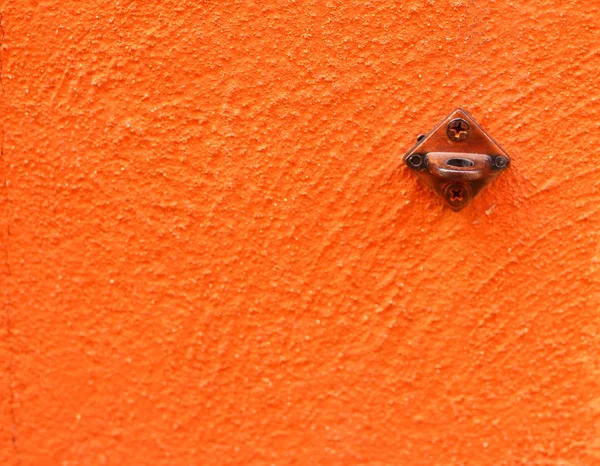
[(460, 163)]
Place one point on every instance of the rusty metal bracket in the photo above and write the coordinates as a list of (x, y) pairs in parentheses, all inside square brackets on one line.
[(457, 159)]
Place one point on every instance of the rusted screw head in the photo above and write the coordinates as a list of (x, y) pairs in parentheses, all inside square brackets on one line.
[(458, 130), (501, 161), (456, 194), (414, 161)]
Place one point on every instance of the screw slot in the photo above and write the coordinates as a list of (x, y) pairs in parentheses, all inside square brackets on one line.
[(456, 194), (458, 130), (460, 163)]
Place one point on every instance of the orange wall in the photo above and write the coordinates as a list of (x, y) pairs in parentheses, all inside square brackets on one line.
[(212, 253)]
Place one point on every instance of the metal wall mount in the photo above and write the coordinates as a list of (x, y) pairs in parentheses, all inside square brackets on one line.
[(457, 159)]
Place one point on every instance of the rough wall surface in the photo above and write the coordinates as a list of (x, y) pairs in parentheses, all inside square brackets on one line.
[(211, 253)]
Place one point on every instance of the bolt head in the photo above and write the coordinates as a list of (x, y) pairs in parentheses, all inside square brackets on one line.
[(415, 161), (458, 130), (501, 161)]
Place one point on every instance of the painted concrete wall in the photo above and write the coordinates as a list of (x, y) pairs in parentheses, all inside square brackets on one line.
[(212, 254)]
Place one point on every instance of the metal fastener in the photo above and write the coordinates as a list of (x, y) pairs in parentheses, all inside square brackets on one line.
[(501, 161), (456, 194), (414, 161), (458, 130), (457, 159)]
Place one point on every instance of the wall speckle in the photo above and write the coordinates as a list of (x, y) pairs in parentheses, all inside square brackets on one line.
[(216, 256)]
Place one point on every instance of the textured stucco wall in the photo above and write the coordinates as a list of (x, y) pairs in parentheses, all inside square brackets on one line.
[(211, 253)]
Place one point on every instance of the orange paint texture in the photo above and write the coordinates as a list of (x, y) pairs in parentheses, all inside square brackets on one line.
[(212, 253)]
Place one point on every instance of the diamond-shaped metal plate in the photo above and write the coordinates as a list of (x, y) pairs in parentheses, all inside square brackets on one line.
[(442, 145)]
